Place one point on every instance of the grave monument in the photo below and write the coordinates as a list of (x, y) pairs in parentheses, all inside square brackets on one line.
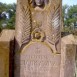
[(38, 38)]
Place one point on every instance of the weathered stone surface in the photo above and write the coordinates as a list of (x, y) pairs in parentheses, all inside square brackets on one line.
[(68, 53), (38, 38), (7, 35), (32, 18), (38, 60), (5, 50)]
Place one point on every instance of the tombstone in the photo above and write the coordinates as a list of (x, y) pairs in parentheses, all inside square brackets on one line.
[(68, 53), (38, 38), (6, 53)]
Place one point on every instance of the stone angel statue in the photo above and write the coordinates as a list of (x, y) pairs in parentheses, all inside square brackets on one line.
[(38, 20)]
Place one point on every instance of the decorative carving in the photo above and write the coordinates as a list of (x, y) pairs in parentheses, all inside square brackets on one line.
[(23, 22), (38, 35), (32, 15)]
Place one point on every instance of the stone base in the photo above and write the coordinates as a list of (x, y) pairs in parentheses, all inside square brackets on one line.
[(68, 53), (6, 53)]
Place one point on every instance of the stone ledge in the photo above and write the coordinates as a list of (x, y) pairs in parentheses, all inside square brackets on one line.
[(7, 35), (69, 39)]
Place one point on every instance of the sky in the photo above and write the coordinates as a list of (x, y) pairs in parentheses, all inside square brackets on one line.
[(69, 2), (8, 1)]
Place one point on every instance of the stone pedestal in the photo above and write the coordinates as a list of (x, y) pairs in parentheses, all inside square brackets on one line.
[(6, 53), (68, 52)]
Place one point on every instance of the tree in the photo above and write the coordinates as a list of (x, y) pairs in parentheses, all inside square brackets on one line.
[(7, 16), (70, 17), (72, 14), (64, 13)]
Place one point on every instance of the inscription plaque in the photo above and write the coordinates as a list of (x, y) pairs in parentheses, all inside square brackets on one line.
[(37, 60)]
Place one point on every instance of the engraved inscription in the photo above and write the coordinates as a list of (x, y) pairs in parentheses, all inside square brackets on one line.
[(37, 63), (34, 67), (37, 60)]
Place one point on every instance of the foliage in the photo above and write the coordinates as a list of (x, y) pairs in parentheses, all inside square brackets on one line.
[(69, 18), (7, 16)]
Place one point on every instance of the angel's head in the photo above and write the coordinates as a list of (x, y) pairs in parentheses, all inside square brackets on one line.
[(40, 3)]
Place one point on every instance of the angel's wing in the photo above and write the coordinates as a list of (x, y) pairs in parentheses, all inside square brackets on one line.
[(53, 24), (56, 24), (23, 22)]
